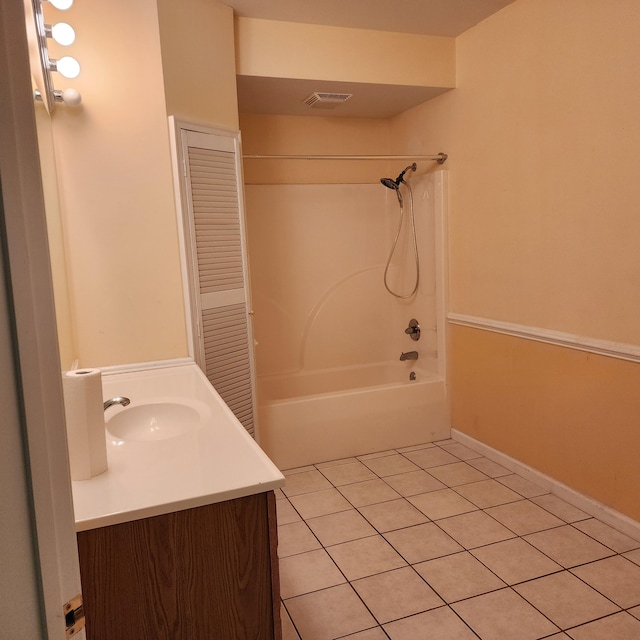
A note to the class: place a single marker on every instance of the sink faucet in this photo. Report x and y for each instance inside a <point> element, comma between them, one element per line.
<point>409,355</point>
<point>123,401</point>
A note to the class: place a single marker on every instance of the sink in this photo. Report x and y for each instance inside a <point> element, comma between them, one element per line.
<point>151,421</point>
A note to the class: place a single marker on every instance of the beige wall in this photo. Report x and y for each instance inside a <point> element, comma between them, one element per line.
<point>285,135</point>
<point>140,62</point>
<point>542,134</point>
<point>116,191</point>
<point>198,61</point>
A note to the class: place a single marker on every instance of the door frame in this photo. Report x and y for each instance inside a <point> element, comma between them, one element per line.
<point>36,370</point>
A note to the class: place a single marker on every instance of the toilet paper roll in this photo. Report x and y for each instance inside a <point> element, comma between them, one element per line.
<point>86,437</point>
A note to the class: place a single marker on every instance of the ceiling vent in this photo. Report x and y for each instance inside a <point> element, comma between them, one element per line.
<point>319,100</point>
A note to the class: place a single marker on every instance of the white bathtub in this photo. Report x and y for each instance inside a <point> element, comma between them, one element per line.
<point>313,417</point>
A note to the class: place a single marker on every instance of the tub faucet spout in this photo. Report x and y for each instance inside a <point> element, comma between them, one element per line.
<point>409,355</point>
<point>123,401</point>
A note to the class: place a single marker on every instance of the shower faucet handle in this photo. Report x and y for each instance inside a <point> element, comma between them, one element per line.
<point>413,330</point>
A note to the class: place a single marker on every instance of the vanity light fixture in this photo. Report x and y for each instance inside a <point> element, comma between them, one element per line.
<point>42,69</point>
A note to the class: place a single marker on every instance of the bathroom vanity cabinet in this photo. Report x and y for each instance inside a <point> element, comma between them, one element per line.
<point>205,573</point>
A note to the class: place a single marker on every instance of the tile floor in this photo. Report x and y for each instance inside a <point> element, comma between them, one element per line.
<point>437,542</point>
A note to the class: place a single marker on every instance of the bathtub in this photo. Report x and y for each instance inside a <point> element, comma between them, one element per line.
<point>306,418</point>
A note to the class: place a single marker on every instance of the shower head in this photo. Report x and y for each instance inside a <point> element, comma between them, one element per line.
<point>394,185</point>
<point>390,183</point>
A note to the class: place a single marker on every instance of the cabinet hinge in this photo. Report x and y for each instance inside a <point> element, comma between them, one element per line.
<point>73,616</point>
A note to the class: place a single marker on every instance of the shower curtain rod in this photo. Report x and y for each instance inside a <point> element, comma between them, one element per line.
<point>439,158</point>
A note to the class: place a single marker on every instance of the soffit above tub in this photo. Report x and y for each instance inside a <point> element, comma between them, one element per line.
<point>427,17</point>
<point>285,96</point>
<point>279,64</point>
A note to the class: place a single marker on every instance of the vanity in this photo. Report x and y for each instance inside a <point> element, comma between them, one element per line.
<point>177,539</point>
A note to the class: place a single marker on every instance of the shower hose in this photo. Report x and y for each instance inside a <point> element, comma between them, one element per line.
<point>395,243</point>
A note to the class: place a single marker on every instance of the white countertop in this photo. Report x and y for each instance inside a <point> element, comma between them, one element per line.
<point>217,461</point>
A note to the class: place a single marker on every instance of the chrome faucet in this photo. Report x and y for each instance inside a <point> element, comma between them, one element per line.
<point>409,355</point>
<point>119,400</point>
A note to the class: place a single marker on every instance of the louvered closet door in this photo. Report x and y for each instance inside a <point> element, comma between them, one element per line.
<point>219,268</point>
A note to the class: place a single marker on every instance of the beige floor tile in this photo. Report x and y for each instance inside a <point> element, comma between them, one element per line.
<point>524,487</point>
<point>560,508</point>
<point>305,482</point>
<point>320,503</point>
<point>413,483</point>
<point>343,526</point>
<point>458,576</point>
<point>335,463</point>
<point>295,538</point>
<point>489,467</point>
<point>460,451</point>
<point>616,578</point>
<point>396,594</point>
<point>441,504</point>
<point>487,493</point>
<point>360,494</point>
<point>291,472</point>
<point>278,494</point>
<point>565,600</point>
<point>422,542</point>
<point>390,465</point>
<point>503,615</point>
<point>392,515</point>
<point>307,572</point>
<point>457,473</point>
<point>607,535</point>
<point>437,624</point>
<point>377,454</point>
<point>416,447</point>
<point>288,630</point>
<point>635,611</point>
<point>515,561</point>
<point>369,634</point>
<point>474,529</point>
<point>634,556</point>
<point>428,458</point>
<point>524,517</point>
<point>620,626</point>
<point>330,613</point>
<point>285,513</point>
<point>348,473</point>
<point>568,546</point>
<point>365,557</point>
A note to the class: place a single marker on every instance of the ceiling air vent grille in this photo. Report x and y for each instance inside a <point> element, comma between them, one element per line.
<point>319,100</point>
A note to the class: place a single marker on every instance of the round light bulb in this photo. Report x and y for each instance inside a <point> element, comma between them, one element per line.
<point>68,67</point>
<point>63,33</point>
<point>62,5</point>
<point>71,97</point>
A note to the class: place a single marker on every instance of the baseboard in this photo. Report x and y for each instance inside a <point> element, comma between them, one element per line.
<point>613,518</point>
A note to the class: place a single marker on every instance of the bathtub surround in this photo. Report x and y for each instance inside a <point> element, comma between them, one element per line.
<point>330,336</point>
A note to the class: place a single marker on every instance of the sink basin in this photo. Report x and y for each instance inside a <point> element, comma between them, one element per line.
<point>153,421</point>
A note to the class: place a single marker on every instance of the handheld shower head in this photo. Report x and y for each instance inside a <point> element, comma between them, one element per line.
<point>389,183</point>
<point>392,184</point>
